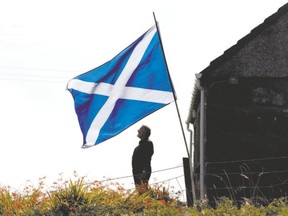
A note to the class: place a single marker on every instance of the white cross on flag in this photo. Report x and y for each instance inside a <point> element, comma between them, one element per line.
<point>114,96</point>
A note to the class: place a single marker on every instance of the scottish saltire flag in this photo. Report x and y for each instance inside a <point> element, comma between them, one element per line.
<point>114,96</point>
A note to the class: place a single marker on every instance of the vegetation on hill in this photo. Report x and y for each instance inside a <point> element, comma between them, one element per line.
<point>76,197</point>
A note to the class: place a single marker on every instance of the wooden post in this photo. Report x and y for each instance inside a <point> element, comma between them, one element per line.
<point>188,182</point>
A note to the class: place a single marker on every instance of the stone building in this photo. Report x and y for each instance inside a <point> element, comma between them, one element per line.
<point>239,111</point>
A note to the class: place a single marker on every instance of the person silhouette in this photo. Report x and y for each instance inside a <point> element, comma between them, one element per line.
<point>141,160</point>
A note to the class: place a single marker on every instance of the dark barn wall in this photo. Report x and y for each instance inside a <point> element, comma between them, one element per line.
<point>247,123</point>
<point>246,118</point>
<point>197,154</point>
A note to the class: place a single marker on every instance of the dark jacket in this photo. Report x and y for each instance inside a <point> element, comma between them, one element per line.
<point>141,159</point>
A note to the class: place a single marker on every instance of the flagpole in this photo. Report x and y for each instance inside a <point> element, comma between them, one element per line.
<point>170,80</point>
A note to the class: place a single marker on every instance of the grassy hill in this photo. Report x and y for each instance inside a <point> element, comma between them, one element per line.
<point>76,197</point>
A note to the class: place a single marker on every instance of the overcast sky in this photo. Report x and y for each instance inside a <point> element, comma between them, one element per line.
<point>43,44</point>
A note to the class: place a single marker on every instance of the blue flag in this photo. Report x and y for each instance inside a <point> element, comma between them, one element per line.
<point>114,96</point>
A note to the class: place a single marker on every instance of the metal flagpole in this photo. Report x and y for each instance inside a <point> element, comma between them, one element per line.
<point>179,117</point>
<point>174,95</point>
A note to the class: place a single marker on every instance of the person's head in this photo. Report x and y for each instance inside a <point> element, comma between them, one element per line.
<point>144,132</point>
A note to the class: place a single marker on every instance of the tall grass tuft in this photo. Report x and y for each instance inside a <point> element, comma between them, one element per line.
<point>70,197</point>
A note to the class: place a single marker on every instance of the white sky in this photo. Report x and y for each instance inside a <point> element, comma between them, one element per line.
<point>43,44</point>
